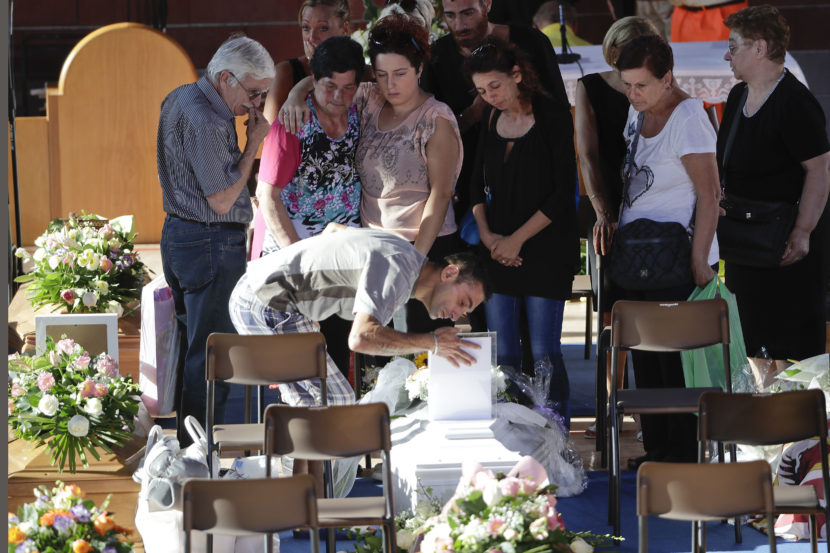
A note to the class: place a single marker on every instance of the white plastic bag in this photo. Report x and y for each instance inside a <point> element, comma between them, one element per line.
<point>162,473</point>
<point>159,348</point>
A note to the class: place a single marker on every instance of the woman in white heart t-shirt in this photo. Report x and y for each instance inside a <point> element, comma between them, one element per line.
<point>674,179</point>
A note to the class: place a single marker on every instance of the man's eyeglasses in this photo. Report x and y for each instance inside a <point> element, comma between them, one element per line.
<point>252,93</point>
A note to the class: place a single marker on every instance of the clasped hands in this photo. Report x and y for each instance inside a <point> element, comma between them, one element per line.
<point>504,249</point>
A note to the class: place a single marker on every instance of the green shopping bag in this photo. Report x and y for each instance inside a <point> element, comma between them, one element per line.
<point>703,367</point>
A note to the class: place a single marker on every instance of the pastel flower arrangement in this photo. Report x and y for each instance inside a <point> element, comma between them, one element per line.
<point>85,264</point>
<point>70,401</point>
<point>489,513</point>
<point>61,520</point>
<point>500,514</point>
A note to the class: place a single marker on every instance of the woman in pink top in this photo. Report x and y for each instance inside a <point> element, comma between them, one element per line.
<point>409,152</point>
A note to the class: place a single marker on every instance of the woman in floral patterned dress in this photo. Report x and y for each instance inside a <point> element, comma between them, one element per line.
<point>309,180</point>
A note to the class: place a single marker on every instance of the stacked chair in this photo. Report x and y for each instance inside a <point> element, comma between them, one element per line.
<point>659,326</point>
<point>337,432</point>
<point>316,434</point>
<point>701,492</point>
<point>258,360</point>
<point>769,419</point>
<point>247,507</point>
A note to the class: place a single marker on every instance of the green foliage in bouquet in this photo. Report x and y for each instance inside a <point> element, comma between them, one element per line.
<point>61,521</point>
<point>85,264</point>
<point>73,403</point>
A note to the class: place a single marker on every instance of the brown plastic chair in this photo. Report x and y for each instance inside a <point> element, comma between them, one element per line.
<point>659,326</point>
<point>247,507</point>
<point>258,360</point>
<point>336,432</point>
<point>769,419</point>
<point>701,492</point>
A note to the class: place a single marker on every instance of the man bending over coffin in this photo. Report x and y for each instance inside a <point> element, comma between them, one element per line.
<point>361,275</point>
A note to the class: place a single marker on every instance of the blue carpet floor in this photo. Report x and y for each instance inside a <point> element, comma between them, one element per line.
<point>588,511</point>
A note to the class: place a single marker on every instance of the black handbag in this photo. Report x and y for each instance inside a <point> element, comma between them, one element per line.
<point>646,254</point>
<point>753,232</point>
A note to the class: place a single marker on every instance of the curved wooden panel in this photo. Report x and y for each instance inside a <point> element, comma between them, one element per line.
<point>103,136</point>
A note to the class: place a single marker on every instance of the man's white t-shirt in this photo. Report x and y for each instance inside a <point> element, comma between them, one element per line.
<point>348,272</point>
<point>660,188</point>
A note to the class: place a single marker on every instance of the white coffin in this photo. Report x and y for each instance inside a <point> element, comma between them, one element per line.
<point>429,454</point>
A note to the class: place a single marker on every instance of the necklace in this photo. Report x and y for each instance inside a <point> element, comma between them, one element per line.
<point>764,101</point>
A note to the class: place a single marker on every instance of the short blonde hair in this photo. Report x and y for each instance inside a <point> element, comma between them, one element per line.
<point>621,32</point>
<point>340,8</point>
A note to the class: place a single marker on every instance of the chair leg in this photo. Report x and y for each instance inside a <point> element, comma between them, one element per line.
<point>331,540</point>
<point>601,440</point>
<point>696,536</point>
<point>588,318</point>
<point>814,534</point>
<point>614,475</point>
<point>643,546</point>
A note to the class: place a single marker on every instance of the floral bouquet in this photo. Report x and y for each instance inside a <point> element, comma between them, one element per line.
<point>71,402</point>
<point>60,520</point>
<point>86,265</point>
<point>502,514</point>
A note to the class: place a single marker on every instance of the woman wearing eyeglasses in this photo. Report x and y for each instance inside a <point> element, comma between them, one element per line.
<point>409,152</point>
<point>319,20</point>
<point>522,196</point>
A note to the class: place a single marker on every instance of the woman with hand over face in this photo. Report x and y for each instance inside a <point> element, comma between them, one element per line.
<point>319,20</point>
<point>522,196</point>
<point>779,153</point>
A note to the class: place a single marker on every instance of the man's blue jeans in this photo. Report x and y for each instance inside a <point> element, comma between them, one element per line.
<point>202,264</point>
<point>544,320</point>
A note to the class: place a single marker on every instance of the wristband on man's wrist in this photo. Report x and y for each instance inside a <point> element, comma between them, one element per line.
<point>435,350</point>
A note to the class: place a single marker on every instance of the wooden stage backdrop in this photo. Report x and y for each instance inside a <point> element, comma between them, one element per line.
<point>95,149</point>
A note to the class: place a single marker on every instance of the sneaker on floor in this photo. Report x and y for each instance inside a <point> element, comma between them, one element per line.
<point>591,432</point>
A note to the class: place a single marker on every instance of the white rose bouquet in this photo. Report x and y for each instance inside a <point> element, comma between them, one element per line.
<point>86,265</point>
<point>71,402</point>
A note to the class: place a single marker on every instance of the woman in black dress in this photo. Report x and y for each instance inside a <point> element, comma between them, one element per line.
<point>780,153</point>
<point>522,196</point>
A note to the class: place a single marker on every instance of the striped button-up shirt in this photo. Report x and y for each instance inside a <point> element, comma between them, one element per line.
<point>198,153</point>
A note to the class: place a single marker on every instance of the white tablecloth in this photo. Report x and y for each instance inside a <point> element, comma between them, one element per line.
<point>699,68</point>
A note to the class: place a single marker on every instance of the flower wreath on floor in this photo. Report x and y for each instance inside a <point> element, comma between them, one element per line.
<point>60,519</point>
<point>513,513</point>
<point>85,264</point>
<point>70,401</point>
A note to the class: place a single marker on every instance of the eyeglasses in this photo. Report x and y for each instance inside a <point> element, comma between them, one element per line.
<point>252,93</point>
<point>484,49</point>
<point>385,39</point>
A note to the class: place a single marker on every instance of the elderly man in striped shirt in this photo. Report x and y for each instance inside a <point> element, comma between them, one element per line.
<point>203,177</point>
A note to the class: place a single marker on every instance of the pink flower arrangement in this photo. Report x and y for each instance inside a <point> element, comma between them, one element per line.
<point>493,513</point>
<point>108,366</point>
<point>87,388</point>
<point>45,381</point>
<point>66,346</point>
<point>68,295</point>
<point>66,394</point>
<point>106,264</point>
<point>82,362</point>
